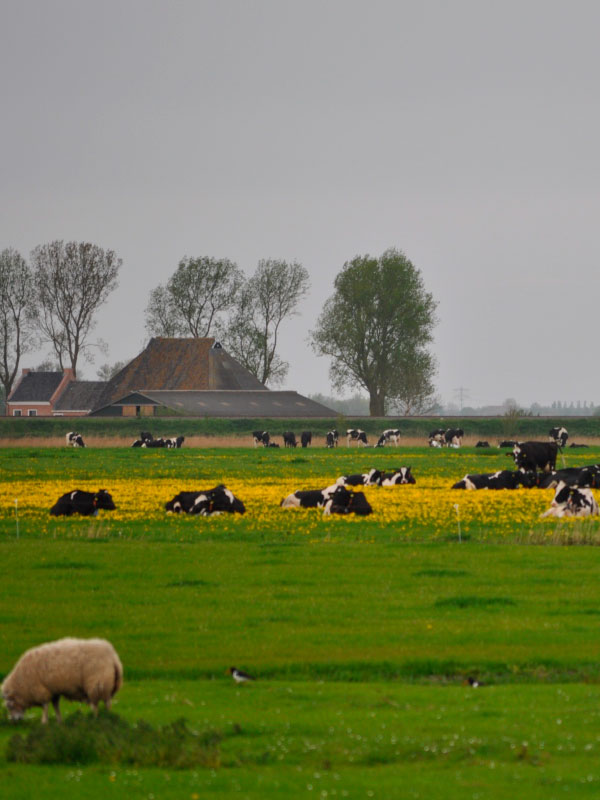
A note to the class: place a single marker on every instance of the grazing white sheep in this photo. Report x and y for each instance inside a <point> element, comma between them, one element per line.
<point>87,670</point>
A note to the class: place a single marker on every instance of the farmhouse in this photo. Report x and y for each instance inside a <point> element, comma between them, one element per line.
<point>190,377</point>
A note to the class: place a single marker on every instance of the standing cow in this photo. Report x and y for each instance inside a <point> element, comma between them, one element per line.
<point>74,439</point>
<point>261,437</point>
<point>535,455</point>
<point>306,438</point>
<point>558,435</point>
<point>331,439</point>
<point>356,435</point>
<point>390,435</point>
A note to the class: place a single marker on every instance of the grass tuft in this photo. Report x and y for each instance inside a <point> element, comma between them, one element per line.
<point>473,602</point>
<point>83,739</point>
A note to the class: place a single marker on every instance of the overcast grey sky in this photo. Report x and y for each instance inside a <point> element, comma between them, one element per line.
<point>466,134</point>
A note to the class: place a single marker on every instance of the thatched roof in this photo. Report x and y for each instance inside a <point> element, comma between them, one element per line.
<point>179,364</point>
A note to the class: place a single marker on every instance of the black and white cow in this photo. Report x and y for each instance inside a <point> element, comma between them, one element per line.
<point>272,444</point>
<point>206,502</point>
<point>576,444</point>
<point>558,435</point>
<point>453,437</point>
<point>175,442</point>
<point>371,478</point>
<point>397,477</point>
<point>289,439</point>
<point>571,501</point>
<point>331,440</point>
<point>315,498</point>
<point>437,437</point>
<point>391,435</point>
<point>355,503</point>
<point>582,477</point>
<point>356,435</point>
<point>507,443</point>
<point>535,455</point>
<point>145,436</point>
<point>154,443</point>
<point>74,439</point>
<point>482,444</point>
<point>261,437</point>
<point>503,479</point>
<point>306,438</point>
<point>85,503</point>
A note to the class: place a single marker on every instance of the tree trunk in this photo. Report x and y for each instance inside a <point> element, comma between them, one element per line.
<point>376,404</point>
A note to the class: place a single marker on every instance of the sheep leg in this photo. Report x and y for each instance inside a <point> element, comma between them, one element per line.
<point>55,704</point>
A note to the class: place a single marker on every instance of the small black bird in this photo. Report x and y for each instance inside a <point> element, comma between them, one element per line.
<point>473,682</point>
<point>239,676</point>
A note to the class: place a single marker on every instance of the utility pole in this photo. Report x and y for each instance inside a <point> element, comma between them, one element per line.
<point>462,394</point>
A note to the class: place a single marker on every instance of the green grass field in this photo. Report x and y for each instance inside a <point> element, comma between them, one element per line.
<point>361,632</point>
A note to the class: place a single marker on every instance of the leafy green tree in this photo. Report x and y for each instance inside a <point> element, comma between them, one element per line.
<point>376,328</point>
<point>267,298</point>
<point>16,304</point>
<point>197,293</point>
<point>72,280</point>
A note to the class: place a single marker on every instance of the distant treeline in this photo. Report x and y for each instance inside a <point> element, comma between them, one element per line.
<point>490,428</point>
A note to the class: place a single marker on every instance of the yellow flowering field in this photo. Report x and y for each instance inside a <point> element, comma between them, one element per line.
<point>429,506</point>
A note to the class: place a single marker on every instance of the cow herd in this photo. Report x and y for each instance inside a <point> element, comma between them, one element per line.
<point>389,436</point>
<point>147,440</point>
<point>535,466</point>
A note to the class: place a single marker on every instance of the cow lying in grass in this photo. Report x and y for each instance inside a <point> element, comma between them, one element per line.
<point>355,503</point>
<point>206,502</point>
<point>85,503</point>
<point>74,439</point>
<point>503,479</point>
<point>572,476</point>
<point>315,498</point>
<point>570,501</point>
<point>371,478</point>
<point>397,477</point>
<point>334,499</point>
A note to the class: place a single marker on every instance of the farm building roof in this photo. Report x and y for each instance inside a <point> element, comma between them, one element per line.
<point>226,403</point>
<point>80,396</point>
<point>36,387</point>
<point>180,364</point>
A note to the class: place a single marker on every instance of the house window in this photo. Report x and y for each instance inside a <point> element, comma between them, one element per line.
<point>32,412</point>
<point>16,412</point>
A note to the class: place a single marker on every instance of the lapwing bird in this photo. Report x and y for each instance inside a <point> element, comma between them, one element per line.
<point>239,676</point>
<point>473,682</point>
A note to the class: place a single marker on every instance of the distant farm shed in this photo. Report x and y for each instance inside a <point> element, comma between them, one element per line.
<point>218,403</point>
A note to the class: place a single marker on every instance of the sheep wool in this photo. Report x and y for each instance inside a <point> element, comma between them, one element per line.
<point>86,670</point>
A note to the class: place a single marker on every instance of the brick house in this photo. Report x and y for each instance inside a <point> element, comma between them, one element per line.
<point>36,393</point>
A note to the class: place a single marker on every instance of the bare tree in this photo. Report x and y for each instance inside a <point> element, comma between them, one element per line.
<point>16,289</point>
<point>161,315</point>
<point>196,294</point>
<point>269,297</point>
<point>72,281</point>
<point>107,371</point>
